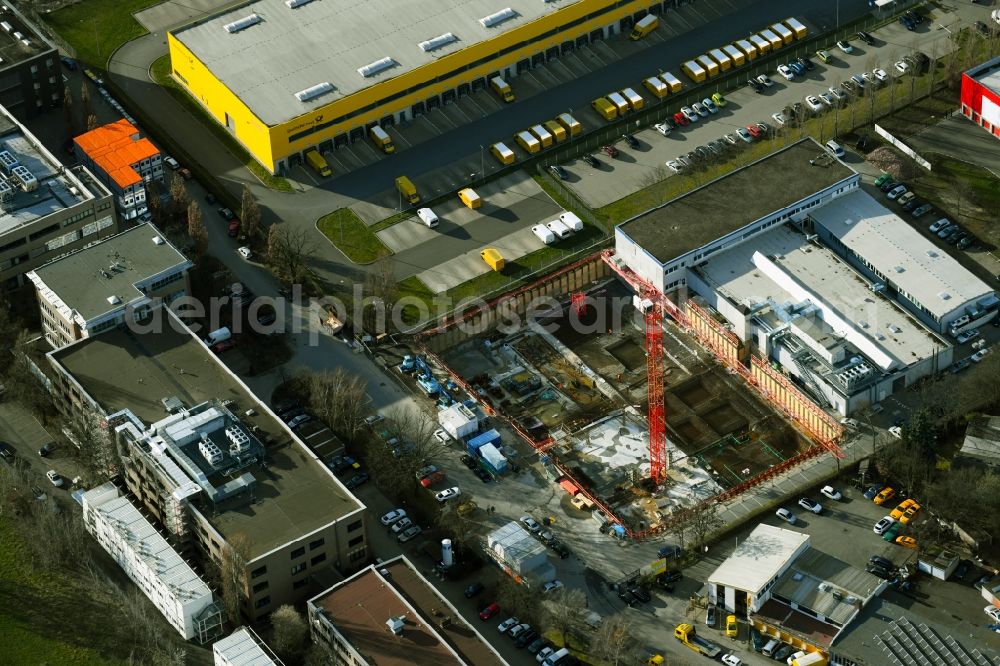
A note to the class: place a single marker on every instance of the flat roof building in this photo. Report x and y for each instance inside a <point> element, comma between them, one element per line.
<point>243,647</point>
<point>212,464</point>
<point>184,599</point>
<point>99,287</point>
<point>285,77</point>
<point>124,160</point>
<point>389,614</point>
<point>46,209</point>
<point>29,67</point>
<point>981,95</point>
<point>928,281</point>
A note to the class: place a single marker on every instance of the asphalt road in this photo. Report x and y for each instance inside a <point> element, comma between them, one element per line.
<point>129,67</point>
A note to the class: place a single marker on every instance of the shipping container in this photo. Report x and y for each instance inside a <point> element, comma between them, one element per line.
<point>529,143</point>
<point>763,46</point>
<point>493,459</point>
<point>796,27</point>
<point>787,36</point>
<point>470,198</point>
<point>605,108</point>
<point>635,100</point>
<point>694,71</point>
<point>656,86</point>
<point>503,154</point>
<point>621,104</point>
<point>672,82</point>
<point>747,47</point>
<point>735,55</point>
<point>542,135</point>
<point>775,41</point>
<point>644,26</point>
<point>493,259</point>
<point>556,130</point>
<point>571,124</point>
<point>488,437</point>
<point>710,65</point>
<point>458,421</point>
<point>719,56</point>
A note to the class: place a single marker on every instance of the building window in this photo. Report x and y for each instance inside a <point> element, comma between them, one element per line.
<point>316,560</point>
<point>299,584</point>
<point>354,526</point>
<point>257,573</point>
<point>357,555</point>
<point>263,601</point>
<point>260,587</point>
<point>298,552</point>
<point>355,541</point>
<point>299,568</point>
<point>313,545</point>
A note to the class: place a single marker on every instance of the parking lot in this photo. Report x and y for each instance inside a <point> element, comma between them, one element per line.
<point>634,169</point>
<point>20,429</point>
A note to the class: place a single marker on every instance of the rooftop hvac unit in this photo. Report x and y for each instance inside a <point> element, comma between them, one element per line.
<point>376,67</point>
<point>242,24</point>
<point>26,42</point>
<point>314,91</point>
<point>437,42</point>
<point>292,4</point>
<point>114,300</point>
<point>498,18</point>
<point>26,179</point>
<point>212,453</point>
<point>239,441</point>
<point>6,191</point>
<point>7,161</point>
<point>6,26</point>
<point>18,34</point>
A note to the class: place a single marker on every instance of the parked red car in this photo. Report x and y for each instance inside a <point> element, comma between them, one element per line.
<point>489,611</point>
<point>225,345</point>
<point>431,479</point>
<point>681,119</point>
<point>754,131</point>
<point>234,227</point>
<point>610,151</point>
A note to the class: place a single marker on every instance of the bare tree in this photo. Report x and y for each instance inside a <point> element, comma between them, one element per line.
<point>564,611</point>
<point>517,599</point>
<point>289,634</point>
<point>612,640</point>
<point>85,106</point>
<point>233,575</point>
<point>97,454</point>
<point>92,123</point>
<point>68,116</point>
<point>22,382</point>
<point>196,229</point>
<point>288,253</point>
<point>178,193</point>
<point>704,520</point>
<point>154,203</point>
<point>249,213</point>
<point>339,398</point>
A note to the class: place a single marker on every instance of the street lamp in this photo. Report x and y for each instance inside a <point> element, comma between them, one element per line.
<point>482,163</point>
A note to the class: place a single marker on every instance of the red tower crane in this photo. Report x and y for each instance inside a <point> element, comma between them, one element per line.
<point>654,385</point>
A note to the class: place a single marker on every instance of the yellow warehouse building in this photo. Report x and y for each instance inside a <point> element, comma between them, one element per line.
<point>286,76</point>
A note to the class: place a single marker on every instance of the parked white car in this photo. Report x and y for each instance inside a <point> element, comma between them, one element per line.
<point>786,72</point>
<point>55,478</point>
<point>662,128</point>
<point>811,505</point>
<point>882,525</point>
<point>530,523</point>
<point>505,626</point>
<point>785,515</point>
<point>447,494</point>
<point>731,660</point>
<point>428,217</point>
<point>831,492</point>
<point>393,516</point>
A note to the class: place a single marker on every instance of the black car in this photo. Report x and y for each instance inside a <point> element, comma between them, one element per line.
<point>559,171</point>
<point>671,123</point>
<point>757,86</point>
<point>866,38</point>
<point>954,239</point>
<point>888,185</point>
<point>226,214</point>
<point>356,480</point>
<point>68,63</point>
<point>47,449</point>
<point>669,577</point>
<point>912,203</point>
<point>560,549</point>
<point>881,572</point>
<point>908,22</point>
<point>210,199</point>
<point>631,141</point>
<point>470,462</point>
<point>641,593</point>
<point>982,28</point>
<point>473,590</point>
<point>807,63</point>
<point>913,16</point>
<point>526,637</point>
<point>962,570</point>
<point>536,645</point>
<point>880,561</point>
<point>483,475</point>
<point>626,596</point>
<point>7,452</point>
<point>592,161</point>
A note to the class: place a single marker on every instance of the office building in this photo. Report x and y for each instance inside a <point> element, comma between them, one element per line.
<point>125,161</point>
<point>30,79</point>
<point>243,647</point>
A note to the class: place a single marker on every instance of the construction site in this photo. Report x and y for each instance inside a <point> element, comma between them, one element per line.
<point>574,383</point>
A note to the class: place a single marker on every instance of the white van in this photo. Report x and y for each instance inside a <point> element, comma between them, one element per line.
<point>556,657</point>
<point>572,221</point>
<point>771,647</point>
<point>543,234</point>
<point>559,229</point>
<point>835,148</point>
<point>428,217</point>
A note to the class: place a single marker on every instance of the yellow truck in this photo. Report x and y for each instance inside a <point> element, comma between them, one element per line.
<point>605,108</point>
<point>503,154</point>
<point>634,99</point>
<point>407,189</point>
<point>762,45</point>
<point>747,47</point>
<point>708,64</point>
<point>571,124</point>
<point>685,633</point>
<point>382,139</point>
<point>725,62</point>
<point>643,27</point>
<point>694,71</point>
<point>556,130</point>
<point>796,27</point>
<point>528,142</point>
<point>502,89</point>
<point>776,42</point>
<point>621,104</point>
<point>672,82</point>
<point>787,36</point>
<point>493,259</point>
<point>543,135</point>
<point>735,55</point>
<point>318,164</point>
<point>470,198</point>
<point>655,85</point>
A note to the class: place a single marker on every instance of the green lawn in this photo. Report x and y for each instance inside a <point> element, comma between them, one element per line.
<point>352,236</point>
<point>96,28</point>
<point>160,71</point>
<point>39,609</point>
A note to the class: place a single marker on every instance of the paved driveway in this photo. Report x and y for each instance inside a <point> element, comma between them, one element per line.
<point>959,137</point>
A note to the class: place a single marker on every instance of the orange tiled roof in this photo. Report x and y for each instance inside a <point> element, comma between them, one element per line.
<point>113,148</point>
